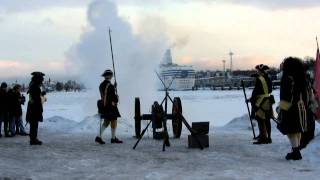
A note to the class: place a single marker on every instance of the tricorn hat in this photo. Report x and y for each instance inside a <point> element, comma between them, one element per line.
<point>16,86</point>
<point>107,72</point>
<point>38,74</point>
<point>262,67</point>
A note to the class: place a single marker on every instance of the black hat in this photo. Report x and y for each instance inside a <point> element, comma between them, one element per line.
<point>4,85</point>
<point>107,72</point>
<point>38,74</point>
<point>262,67</point>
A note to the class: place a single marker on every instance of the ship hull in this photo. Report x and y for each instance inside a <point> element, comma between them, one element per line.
<point>178,84</point>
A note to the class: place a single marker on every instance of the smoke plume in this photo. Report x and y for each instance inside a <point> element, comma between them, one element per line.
<point>180,42</point>
<point>135,58</point>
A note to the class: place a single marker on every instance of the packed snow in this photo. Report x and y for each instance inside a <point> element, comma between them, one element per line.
<point>69,150</point>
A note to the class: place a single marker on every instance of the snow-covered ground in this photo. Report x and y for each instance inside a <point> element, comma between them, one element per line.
<point>69,151</point>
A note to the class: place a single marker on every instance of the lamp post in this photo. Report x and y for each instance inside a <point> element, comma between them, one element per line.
<point>231,54</point>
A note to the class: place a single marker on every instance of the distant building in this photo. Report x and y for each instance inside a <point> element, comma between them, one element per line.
<point>223,80</point>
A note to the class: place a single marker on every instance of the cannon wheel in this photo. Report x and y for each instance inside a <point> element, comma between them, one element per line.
<point>176,120</point>
<point>137,117</point>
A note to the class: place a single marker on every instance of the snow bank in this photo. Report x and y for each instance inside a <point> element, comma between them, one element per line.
<point>89,124</point>
<point>58,123</point>
<point>242,122</point>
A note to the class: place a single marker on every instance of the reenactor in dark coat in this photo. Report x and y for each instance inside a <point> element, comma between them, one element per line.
<point>16,99</point>
<point>308,135</point>
<point>4,114</point>
<point>261,101</point>
<point>35,106</point>
<point>293,104</point>
<point>108,109</point>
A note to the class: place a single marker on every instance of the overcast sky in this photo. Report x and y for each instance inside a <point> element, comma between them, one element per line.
<point>38,34</point>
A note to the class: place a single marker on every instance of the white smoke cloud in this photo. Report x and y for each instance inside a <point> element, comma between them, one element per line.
<point>266,4</point>
<point>32,5</point>
<point>180,42</point>
<point>12,6</point>
<point>135,58</point>
<point>276,4</point>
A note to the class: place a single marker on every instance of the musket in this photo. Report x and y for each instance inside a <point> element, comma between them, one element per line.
<point>246,100</point>
<point>114,70</point>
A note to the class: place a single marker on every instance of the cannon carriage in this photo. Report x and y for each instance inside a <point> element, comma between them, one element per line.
<point>158,116</point>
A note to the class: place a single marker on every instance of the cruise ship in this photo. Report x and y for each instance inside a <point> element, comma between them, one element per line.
<point>182,77</point>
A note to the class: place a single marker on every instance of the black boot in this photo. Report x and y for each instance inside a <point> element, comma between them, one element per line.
<point>294,155</point>
<point>12,134</point>
<point>261,140</point>
<point>99,140</point>
<point>23,134</point>
<point>269,140</point>
<point>116,140</point>
<point>257,137</point>
<point>35,142</point>
<point>167,143</point>
<point>8,135</point>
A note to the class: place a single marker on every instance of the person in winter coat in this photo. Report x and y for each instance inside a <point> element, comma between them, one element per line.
<point>312,105</point>
<point>261,101</point>
<point>35,106</point>
<point>108,108</point>
<point>15,114</point>
<point>4,111</point>
<point>293,102</point>
<point>10,112</point>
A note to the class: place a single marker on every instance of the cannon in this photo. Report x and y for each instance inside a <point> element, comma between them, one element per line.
<point>157,116</point>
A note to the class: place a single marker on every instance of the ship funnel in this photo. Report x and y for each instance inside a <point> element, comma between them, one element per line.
<point>167,58</point>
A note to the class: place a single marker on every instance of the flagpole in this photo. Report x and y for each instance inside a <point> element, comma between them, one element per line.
<point>317,79</point>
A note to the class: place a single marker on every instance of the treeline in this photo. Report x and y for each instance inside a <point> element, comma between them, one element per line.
<point>63,86</point>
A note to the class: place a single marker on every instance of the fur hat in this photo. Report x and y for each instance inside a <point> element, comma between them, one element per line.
<point>107,72</point>
<point>38,74</point>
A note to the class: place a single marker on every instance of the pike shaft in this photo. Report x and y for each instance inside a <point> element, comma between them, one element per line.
<point>114,70</point>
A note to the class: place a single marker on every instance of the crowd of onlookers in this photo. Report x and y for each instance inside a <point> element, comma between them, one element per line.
<point>11,100</point>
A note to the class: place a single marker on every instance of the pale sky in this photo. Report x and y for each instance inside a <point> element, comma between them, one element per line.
<point>37,34</point>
